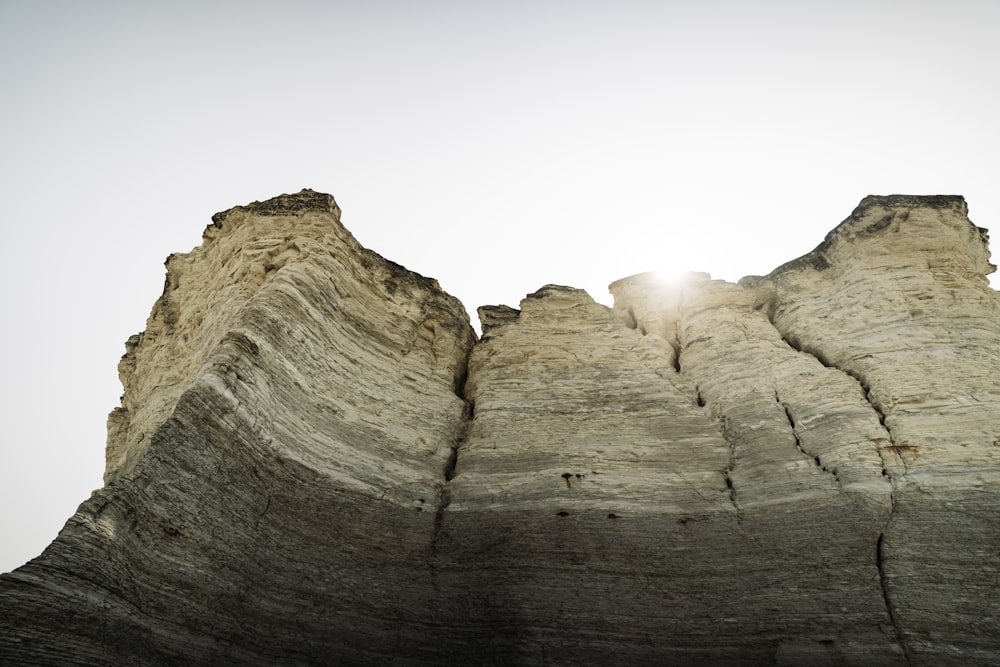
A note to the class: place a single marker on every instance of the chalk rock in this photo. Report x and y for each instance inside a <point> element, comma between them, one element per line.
<point>273,474</point>
<point>316,461</point>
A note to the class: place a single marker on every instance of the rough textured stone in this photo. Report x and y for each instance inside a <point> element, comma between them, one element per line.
<point>316,461</point>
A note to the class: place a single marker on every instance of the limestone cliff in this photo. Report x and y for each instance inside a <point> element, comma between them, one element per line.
<point>316,462</point>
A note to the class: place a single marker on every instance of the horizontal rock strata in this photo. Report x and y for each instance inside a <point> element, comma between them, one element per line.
<point>316,461</point>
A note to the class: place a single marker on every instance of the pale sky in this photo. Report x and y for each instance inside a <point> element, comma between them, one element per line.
<point>494,146</point>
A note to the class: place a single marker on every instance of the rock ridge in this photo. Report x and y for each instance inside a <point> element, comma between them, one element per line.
<point>317,460</point>
<point>296,204</point>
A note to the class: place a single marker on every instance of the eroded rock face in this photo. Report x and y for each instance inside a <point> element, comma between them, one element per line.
<point>316,461</point>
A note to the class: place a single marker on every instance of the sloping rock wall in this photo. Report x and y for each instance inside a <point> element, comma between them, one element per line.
<point>316,461</point>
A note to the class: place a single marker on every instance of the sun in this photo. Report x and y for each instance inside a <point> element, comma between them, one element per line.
<point>672,278</point>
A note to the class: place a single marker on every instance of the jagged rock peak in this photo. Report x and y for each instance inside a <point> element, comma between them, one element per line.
<point>287,204</point>
<point>890,214</point>
<point>951,202</point>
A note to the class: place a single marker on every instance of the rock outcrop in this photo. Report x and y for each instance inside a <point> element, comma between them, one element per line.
<point>316,462</point>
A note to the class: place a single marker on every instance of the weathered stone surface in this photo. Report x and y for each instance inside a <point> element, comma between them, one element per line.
<point>904,307</point>
<point>315,461</point>
<point>292,410</point>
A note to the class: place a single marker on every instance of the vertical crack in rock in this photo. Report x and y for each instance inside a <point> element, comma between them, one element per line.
<point>669,331</point>
<point>699,399</point>
<point>630,320</point>
<point>676,345</point>
<point>444,490</point>
<point>727,473</point>
<point>814,458</point>
<point>267,506</point>
<point>889,605</point>
<point>860,380</point>
<point>732,495</point>
<point>865,386</point>
<point>468,414</point>
<point>266,492</point>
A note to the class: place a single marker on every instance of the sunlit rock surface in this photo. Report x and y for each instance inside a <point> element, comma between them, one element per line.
<point>316,462</point>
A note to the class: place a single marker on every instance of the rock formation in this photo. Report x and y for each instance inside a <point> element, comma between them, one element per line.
<point>317,462</point>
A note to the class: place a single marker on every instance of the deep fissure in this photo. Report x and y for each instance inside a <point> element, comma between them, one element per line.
<point>798,441</point>
<point>451,464</point>
<point>860,380</point>
<point>676,345</point>
<point>728,472</point>
<point>468,414</point>
<point>865,387</point>
<point>889,606</point>
<point>731,486</point>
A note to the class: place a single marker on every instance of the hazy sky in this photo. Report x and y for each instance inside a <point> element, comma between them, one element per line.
<point>494,146</point>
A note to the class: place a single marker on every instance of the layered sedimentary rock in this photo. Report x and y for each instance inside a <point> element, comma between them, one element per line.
<point>317,462</point>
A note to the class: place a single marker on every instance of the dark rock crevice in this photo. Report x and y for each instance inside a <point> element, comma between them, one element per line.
<point>676,345</point>
<point>813,457</point>
<point>728,472</point>
<point>863,383</point>
<point>886,595</point>
<point>451,464</point>
<point>793,342</point>
<point>468,415</point>
<point>732,494</point>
